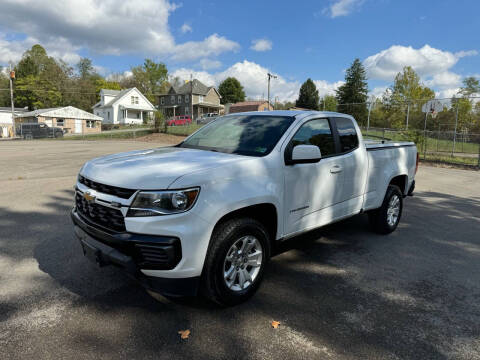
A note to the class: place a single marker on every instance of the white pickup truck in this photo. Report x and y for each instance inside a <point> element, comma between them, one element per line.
<point>203,216</point>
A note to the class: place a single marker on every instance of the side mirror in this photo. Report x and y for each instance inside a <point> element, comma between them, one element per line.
<point>305,154</point>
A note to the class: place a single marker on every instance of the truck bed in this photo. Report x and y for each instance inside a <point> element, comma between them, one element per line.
<point>384,144</point>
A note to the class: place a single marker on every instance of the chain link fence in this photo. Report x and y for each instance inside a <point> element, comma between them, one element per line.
<point>446,147</point>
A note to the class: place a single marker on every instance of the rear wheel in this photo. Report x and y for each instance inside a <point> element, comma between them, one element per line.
<point>385,219</point>
<point>235,262</point>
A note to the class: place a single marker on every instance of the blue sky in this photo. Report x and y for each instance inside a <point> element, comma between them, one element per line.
<point>213,40</point>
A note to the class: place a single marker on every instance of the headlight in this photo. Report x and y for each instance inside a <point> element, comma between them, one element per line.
<point>154,203</point>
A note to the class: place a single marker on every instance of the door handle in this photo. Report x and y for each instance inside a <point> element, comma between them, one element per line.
<point>336,169</point>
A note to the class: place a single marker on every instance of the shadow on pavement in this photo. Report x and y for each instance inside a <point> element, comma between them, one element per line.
<point>338,291</point>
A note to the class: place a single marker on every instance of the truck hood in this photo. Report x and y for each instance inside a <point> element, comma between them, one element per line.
<point>153,169</point>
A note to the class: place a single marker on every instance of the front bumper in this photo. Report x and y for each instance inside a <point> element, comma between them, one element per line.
<point>133,253</point>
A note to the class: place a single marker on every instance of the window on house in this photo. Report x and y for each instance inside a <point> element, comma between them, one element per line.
<point>132,98</point>
<point>162,100</point>
<point>187,110</point>
<point>138,115</point>
<point>172,99</point>
<point>108,115</point>
<point>179,99</point>
<point>200,98</point>
<point>60,122</point>
<point>91,124</point>
<point>136,99</point>
<point>186,98</point>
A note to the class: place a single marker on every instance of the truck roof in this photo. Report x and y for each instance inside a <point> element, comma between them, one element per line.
<point>295,113</point>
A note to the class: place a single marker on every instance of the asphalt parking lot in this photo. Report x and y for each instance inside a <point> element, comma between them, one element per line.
<point>341,292</point>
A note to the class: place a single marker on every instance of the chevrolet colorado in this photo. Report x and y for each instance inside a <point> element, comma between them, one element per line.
<point>203,216</point>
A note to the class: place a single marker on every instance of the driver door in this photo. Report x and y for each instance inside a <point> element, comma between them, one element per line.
<point>312,189</point>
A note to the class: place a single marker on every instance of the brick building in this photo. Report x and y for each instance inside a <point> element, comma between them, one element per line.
<point>245,106</point>
<point>69,118</point>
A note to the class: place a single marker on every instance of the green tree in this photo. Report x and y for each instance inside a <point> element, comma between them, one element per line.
<point>231,91</point>
<point>406,94</point>
<point>85,68</point>
<point>4,93</point>
<point>40,80</point>
<point>308,96</point>
<point>328,103</point>
<point>352,95</point>
<point>150,78</point>
<point>471,86</point>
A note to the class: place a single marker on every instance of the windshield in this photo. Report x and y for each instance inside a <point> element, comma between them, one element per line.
<point>253,135</point>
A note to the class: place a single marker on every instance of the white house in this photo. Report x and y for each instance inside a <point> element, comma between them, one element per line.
<point>127,106</point>
<point>6,120</point>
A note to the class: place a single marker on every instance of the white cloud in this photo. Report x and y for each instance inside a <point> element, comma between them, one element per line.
<point>342,7</point>
<point>110,27</point>
<point>186,28</point>
<point>207,64</point>
<point>60,48</point>
<point>253,77</point>
<point>212,45</point>
<point>445,80</point>
<point>261,45</point>
<point>426,61</point>
<point>378,91</point>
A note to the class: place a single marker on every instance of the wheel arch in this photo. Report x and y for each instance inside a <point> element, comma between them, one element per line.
<point>401,181</point>
<point>265,213</point>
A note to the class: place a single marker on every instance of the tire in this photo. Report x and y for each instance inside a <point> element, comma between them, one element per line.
<point>383,219</point>
<point>214,285</point>
<point>58,134</point>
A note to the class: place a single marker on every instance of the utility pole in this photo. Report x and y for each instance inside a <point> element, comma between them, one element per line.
<point>270,76</point>
<point>191,96</point>
<point>12,76</point>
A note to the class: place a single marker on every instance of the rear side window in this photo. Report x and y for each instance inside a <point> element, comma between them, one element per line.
<point>316,132</point>
<point>348,135</point>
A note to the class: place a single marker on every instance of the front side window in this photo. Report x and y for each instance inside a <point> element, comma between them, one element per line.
<point>316,132</point>
<point>348,135</point>
<point>250,135</point>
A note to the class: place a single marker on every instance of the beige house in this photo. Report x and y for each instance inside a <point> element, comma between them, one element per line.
<point>69,118</point>
<point>180,101</point>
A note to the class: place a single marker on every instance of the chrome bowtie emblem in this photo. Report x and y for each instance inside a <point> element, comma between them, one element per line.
<point>89,197</point>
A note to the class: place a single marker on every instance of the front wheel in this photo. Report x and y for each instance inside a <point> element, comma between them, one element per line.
<point>385,219</point>
<point>235,262</point>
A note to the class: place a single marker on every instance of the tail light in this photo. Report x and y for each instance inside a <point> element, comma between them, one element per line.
<point>416,165</point>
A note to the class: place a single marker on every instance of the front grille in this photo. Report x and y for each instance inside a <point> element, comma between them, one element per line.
<point>106,189</point>
<point>101,215</point>
<point>152,255</point>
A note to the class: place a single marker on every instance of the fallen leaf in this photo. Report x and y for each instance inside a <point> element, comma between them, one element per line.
<point>275,324</point>
<point>184,334</point>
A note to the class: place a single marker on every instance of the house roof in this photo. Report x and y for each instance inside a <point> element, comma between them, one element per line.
<point>110,92</point>
<point>8,109</point>
<point>246,106</point>
<point>118,95</point>
<point>62,112</point>
<point>199,88</point>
